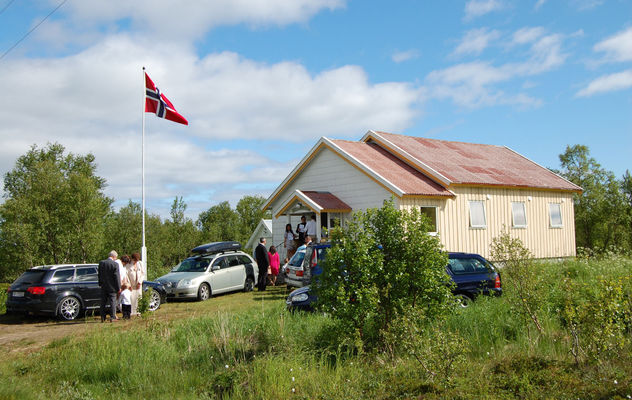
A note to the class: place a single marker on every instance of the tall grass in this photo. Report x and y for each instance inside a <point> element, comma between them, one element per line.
<point>267,353</point>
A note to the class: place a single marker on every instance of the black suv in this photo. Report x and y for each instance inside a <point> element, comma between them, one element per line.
<point>471,273</point>
<point>65,291</point>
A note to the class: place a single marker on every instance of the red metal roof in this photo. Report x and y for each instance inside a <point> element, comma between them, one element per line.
<point>327,201</point>
<point>391,168</point>
<point>478,164</point>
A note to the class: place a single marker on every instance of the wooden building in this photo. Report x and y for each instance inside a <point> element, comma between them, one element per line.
<point>470,192</point>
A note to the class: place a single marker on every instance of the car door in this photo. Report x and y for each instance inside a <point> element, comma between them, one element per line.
<point>220,275</point>
<point>236,272</point>
<point>87,285</point>
<point>62,282</point>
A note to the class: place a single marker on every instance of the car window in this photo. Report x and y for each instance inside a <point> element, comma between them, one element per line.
<point>297,259</point>
<point>194,264</point>
<point>244,259</point>
<point>233,261</point>
<point>64,275</point>
<point>31,276</point>
<point>221,262</point>
<point>88,274</point>
<point>460,266</point>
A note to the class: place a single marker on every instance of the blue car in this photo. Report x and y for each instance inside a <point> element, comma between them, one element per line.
<point>471,273</point>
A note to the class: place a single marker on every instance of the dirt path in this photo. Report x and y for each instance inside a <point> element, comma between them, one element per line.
<point>19,334</point>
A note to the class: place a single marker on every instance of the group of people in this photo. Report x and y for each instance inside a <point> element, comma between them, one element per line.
<point>304,229</point>
<point>269,261</point>
<point>121,283</point>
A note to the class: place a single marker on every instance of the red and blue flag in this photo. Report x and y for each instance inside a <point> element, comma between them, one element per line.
<point>159,104</point>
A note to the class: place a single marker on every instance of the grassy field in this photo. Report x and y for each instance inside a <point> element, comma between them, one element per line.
<point>246,346</point>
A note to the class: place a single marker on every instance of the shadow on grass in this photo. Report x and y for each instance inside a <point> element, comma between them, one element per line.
<point>272,293</point>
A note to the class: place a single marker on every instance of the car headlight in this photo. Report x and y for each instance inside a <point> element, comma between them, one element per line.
<point>300,297</point>
<point>184,283</point>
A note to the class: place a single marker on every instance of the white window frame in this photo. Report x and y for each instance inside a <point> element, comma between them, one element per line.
<point>513,214</point>
<point>435,219</point>
<point>478,226</point>
<point>559,209</point>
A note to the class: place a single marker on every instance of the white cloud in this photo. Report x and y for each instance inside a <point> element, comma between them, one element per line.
<point>527,35</point>
<point>585,5</point>
<point>608,83</point>
<point>91,102</point>
<point>474,84</point>
<point>617,47</point>
<point>539,4</point>
<point>475,41</point>
<point>477,8</point>
<point>192,18</point>
<point>401,56</point>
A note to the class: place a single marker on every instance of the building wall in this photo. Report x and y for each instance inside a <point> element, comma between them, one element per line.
<point>453,220</point>
<point>327,171</point>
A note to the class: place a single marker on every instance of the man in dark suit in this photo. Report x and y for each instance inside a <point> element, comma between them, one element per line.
<point>261,254</point>
<point>110,282</point>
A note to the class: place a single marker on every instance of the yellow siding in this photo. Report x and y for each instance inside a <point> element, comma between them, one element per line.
<point>453,220</point>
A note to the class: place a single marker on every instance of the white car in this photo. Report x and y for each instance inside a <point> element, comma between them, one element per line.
<point>294,268</point>
<point>217,267</point>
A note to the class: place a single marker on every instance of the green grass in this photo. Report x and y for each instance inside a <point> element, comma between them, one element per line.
<point>246,346</point>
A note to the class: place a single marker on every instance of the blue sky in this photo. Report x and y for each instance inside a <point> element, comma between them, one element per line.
<point>261,81</point>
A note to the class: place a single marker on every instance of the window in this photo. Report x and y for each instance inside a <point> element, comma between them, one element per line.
<point>233,261</point>
<point>477,214</point>
<point>245,259</point>
<point>86,275</point>
<point>221,262</point>
<point>64,275</point>
<point>555,213</point>
<point>462,266</point>
<point>431,214</point>
<point>519,215</point>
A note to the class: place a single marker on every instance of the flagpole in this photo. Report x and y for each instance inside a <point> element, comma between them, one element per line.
<point>143,249</point>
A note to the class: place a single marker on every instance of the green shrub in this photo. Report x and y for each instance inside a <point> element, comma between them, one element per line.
<point>380,264</point>
<point>520,278</point>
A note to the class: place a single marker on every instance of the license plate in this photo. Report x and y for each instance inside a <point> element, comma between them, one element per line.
<point>18,294</point>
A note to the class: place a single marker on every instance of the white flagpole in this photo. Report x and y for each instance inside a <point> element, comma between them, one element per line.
<point>143,249</point>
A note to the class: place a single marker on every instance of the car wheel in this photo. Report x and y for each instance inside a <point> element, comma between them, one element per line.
<point>68,308</point>
<point>154,300</point>
<point>463,300</point>
<point>249,285</point>
<point>204,292</point>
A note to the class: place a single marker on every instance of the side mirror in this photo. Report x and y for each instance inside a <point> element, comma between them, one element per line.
<point>174,269</point>
<point>215,268</point>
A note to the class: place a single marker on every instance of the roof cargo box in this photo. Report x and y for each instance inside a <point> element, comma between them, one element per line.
<point>216,247</point>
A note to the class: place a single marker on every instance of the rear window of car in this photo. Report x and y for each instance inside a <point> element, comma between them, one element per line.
<point>63,275</point>
<point>297,259</point>
<point>462,266</point>
<point>87,274</point>
<point>244,259</point>
<point>31,276</point>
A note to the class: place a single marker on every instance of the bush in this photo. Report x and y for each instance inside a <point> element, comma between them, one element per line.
<point>381,264</point>
<point>521,278</point>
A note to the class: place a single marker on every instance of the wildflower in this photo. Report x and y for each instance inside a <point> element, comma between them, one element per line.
<point>226,366</point>
<point>292,379</point>
<point>615,382</point>
<point>293,390</point>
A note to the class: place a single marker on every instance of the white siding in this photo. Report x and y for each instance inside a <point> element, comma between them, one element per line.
<point>542,240</point>
<point>329,172</point>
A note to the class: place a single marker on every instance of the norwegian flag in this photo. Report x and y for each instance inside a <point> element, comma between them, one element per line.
<point>158,103</point>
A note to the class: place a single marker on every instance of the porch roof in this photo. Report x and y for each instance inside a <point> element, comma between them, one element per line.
<point>317,202</point>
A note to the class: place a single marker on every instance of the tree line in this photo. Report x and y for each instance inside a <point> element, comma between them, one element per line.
<point>55,211</point>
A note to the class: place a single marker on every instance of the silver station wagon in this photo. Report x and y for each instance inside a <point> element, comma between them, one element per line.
<point>215,268</point>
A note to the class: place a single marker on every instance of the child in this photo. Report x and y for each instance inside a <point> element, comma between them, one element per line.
<point>126,300</point>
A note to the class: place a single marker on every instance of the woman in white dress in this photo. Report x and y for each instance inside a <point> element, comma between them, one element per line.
<point>135,277</point>
<point>288,237</point>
